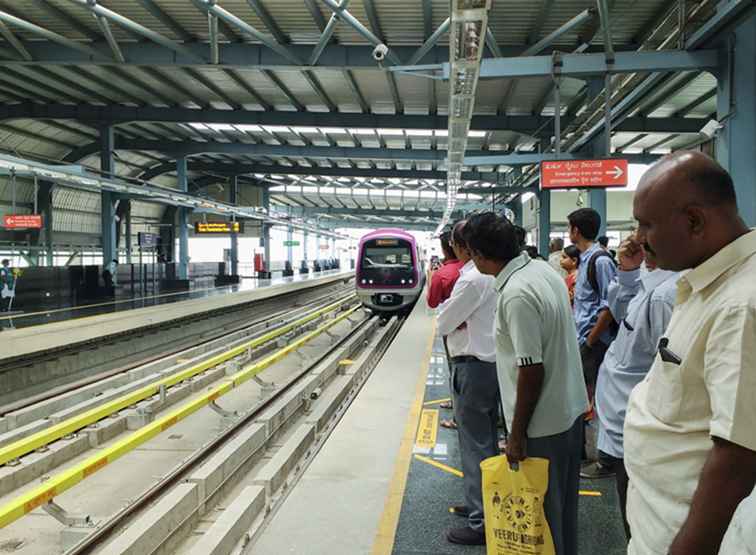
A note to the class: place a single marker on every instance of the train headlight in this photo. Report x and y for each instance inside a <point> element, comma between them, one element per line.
<point>364,281</point>
<point>370,282</point>
<point>404,281</point>
<point>410,280</point>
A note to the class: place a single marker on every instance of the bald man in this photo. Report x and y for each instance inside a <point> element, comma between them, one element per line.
<point>690,428</point>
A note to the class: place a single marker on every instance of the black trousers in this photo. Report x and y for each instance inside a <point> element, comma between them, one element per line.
<point>618,466</point>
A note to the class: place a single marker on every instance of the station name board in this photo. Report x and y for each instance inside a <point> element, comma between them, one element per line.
<point>216,228</point>
<point>584,174</point>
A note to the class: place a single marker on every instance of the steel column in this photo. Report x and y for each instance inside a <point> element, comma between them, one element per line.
<point>544,220</point>
<point>45,207</point>
<point>108,198</point>
<point>234,199</point>
<point>265,227</point>
<point>182,221</point>
<point>598,149</point>
<point>129,238</point>
<point>735,143</point>
<point>289,247</point>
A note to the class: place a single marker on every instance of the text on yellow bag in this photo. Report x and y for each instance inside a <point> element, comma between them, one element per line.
<point>513,507</point>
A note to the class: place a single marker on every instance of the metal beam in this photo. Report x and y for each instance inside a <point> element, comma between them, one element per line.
<point>239,80</point>
<point>49,35</point>
<point>349,78</point>
<point>667,93</point>
<point>727,12</point>
<point>14,42</point>
<point>398,104</point>
<point>316,86</point>
<point>317,15</point>
<point>427,18</point>
<point>284,89</point>
<point>372,15</point>
<point>472,158</point>
<point>525,124</point>
<point>373,38</point>
<point>212,27</point>
<point>543,13</point>
<point>110,38</point>
<point>688,108</point>
<point>224,169</point>
<point>268,21</point>
<point>326,35</point>
<point>430,42</point>
<point>606,29</point>
<point>493,46</point>
<point>210,85</point>
<point>135,27</point>
<point>247,29</point>
<point>68,19</point>
<point>166,20</point>
<point>595,64</point>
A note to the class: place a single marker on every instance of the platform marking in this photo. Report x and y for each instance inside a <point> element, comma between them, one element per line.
<point>590,493</point>
<point>428,429</point>
<point>386,534</point>
<point>437,401</point>
<point>441,466</point>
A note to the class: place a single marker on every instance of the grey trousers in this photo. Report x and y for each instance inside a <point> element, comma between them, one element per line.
<point>475,392</point>
<point>561,503</point>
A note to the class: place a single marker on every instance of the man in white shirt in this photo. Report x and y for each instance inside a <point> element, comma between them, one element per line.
<point>690,438</point>
<point>556,246</point>
<point>466,320</point>
<point>540,374</point>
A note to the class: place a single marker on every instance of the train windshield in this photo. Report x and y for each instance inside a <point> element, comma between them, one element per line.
<point>387,253</point>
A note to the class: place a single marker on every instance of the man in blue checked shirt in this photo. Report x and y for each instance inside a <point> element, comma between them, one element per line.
<point>591,304</point>
<point>642,304</point>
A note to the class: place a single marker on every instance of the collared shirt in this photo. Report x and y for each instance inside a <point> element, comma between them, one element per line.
<point>643,306</point>
<point>472,303</point>
<point>534,325</point>
<point>588,303</point>
<point>555,259</point>
<point>740,538</point>
<point>702,384</point>
<point>442,282</point>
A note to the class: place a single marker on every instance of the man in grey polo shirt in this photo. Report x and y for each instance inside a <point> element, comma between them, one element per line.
<point>538,363</point>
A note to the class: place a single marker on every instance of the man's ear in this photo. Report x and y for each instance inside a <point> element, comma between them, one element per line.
<point>696,218</point>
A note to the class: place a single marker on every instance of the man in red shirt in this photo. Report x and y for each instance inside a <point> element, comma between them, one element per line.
<point>441,281</point>
<point>440,285</point>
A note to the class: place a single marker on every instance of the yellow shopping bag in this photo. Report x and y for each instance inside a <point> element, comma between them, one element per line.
<point>513,507</point>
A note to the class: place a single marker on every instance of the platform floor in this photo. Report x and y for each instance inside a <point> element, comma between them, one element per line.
<point>373,489</point>
<point>125,302</point>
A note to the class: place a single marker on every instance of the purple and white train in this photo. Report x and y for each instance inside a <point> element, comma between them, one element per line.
<point>390,270</point>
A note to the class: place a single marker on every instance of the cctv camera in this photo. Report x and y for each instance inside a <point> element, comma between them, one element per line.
<point>379,52</point>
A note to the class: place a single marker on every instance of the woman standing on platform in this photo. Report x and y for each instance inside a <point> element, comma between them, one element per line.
<point>569,263</point>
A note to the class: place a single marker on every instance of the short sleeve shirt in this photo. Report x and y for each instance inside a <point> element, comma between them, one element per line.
<point>702,384</point>
<point>534,325</point>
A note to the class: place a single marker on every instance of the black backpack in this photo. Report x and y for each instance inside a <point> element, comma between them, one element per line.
<point>593,280</point>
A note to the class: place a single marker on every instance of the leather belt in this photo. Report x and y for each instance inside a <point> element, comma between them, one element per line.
<point>465,358</point>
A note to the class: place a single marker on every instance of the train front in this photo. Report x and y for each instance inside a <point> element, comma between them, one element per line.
<point>389,276</point>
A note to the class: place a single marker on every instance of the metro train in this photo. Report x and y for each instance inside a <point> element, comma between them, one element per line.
<point>390,273</point>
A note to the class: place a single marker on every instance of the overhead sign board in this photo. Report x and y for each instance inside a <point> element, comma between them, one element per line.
<point>291,243</point>
<point>583,174</point>
<point>148,239</point>
<point>215,228</point>
<point>22,221</point>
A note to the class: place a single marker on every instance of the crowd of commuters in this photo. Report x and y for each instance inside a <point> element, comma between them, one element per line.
<point>650,350</point>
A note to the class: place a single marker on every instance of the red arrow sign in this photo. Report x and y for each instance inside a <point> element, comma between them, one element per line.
<point>22,221</point>
<point>583,174</point>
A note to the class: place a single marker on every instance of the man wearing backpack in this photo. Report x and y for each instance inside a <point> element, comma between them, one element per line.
<point>594,321</point>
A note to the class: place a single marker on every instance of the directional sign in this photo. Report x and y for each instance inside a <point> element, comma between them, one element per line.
<point>583,174</point>
<point>215,228</point>
<point>291,243</point>
<point>22,221</point>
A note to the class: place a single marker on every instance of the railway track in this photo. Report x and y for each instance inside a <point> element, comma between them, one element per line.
<point>294,400</point>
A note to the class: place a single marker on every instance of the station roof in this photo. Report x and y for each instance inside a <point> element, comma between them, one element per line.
<point>293,91</point>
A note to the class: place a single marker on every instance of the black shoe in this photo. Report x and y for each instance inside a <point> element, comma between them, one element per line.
<point>595,471</point>
<point>460,510</point>
<point>466,536</point>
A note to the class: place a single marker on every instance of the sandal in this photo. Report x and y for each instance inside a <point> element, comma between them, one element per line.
<point>448,423</point>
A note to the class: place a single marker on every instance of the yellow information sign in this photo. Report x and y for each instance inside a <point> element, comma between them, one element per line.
<point>426,432</point>
<point>217,227</point>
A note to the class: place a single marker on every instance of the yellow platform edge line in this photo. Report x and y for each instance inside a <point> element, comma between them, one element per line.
<point>588,493</point>
<point>57,484</point>
<point>383,544</point>
<point>437,401</point>
<point>440,466</point>
<point>52,433</point>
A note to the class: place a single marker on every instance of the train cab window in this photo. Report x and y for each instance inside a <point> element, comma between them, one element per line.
<point>387,262</point>
<point>387,257</point>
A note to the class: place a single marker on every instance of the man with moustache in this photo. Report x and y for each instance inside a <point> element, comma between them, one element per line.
<point>690,438</point>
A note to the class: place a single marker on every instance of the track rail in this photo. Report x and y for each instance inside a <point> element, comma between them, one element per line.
<point>40,439</point>
<point>63,481</point>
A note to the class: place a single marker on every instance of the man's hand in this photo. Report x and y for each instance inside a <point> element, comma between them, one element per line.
<point>630,254</point>
<point>516,450</point>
